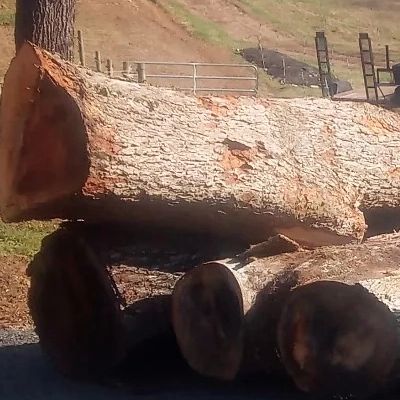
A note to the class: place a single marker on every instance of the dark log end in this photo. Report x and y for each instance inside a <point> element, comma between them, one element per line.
<point>43,141</point>
<point>74,307</point>
<point>337,339</point>
<point>207,316</point>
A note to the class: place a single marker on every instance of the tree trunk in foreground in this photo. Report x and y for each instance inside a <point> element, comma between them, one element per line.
<point>46,23</point>
<point>98,292</point>
<point>356,333</point>
<point>76,144</point>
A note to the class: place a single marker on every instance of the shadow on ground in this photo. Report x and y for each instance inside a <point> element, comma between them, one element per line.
<point>26,374</point>
<point>152,374</point>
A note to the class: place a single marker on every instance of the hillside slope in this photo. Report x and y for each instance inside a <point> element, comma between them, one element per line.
<point>210,30</point>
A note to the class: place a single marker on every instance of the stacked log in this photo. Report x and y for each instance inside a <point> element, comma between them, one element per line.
<point>171,190</point>
<point>334,336</point>
<point>99,291</point>
<point>78,145</point>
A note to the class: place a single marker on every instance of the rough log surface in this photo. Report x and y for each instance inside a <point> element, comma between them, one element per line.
<point>266,284</point>
<point>47,23</point>
<point>82,145</point>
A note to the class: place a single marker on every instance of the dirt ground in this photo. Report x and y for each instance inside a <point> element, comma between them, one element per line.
<point>14,286</point>
<point>165,41</point>
<point>282,67</point>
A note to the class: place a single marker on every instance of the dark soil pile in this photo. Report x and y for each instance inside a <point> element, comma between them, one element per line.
<point>282,67</point>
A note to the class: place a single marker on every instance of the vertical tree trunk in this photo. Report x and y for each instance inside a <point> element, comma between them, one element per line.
<point>47,23</point>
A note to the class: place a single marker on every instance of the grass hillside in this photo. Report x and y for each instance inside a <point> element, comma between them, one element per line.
<point>210,30</point>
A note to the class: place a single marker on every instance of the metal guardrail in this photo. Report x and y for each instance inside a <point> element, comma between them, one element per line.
<point>195,77</point>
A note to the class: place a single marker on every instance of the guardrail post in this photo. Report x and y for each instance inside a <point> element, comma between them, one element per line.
<point>109,67</point>
<point>194,79</point>
<point>81,49</point>
<point>97,60</point>
<point>284,70</point>
<point>257,80</point>
<point>125,69</point>
<point>141,72</point>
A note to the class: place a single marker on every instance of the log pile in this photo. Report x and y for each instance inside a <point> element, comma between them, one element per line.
<point>257,233</point>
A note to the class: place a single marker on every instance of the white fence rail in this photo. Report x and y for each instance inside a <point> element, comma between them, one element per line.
<point>139,71</point>
<point>166,74</point>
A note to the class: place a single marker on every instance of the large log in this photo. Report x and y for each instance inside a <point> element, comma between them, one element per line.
<point>330,293</point>
<point>75,144</point>
<point>99,292</point>
<point>339,339</point>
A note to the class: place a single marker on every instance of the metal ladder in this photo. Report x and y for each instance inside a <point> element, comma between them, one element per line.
<point>368,67</point>
<point>324,66</point>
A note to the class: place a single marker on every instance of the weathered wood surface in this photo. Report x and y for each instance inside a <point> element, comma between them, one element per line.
<point>266,284</point>
<point>99,291</point>
<point>76,144</point>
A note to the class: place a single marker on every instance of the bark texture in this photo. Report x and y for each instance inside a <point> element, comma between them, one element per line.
<point>46,23</point>
<point>268,285</point>
<point>84,146</point>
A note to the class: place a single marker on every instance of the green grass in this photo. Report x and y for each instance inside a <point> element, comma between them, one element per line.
<point>198,26</point>
<point>342,20</point>
<point>269,86</point>
<point>213,33</point>
<point>7,17</point>
<point>23,238</point>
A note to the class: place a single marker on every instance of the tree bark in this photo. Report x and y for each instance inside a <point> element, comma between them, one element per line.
<point>266,308</point>
<point>76,144</point>
<point>46,23</point>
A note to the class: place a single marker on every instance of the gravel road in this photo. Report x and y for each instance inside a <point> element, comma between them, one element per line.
<point>25,374</point>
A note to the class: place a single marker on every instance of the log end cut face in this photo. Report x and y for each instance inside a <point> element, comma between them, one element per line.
<point>73,306</point>
<point>43,136</point>
<point>207,315</point>
<point>337,339</point>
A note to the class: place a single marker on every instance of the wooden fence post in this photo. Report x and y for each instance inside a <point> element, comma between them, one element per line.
<point>109,67</point>
<point>125,68</point>
<point>81,49</point>
<point>141,71</point>
<point>97,60</point>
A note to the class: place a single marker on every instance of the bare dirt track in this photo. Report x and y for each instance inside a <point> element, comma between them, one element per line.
<point>153,35</point>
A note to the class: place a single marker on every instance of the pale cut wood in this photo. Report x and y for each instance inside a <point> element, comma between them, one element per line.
<point>265,285</point>
<point>76,144</point>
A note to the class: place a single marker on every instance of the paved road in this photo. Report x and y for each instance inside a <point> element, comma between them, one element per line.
<point>25,374</point>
